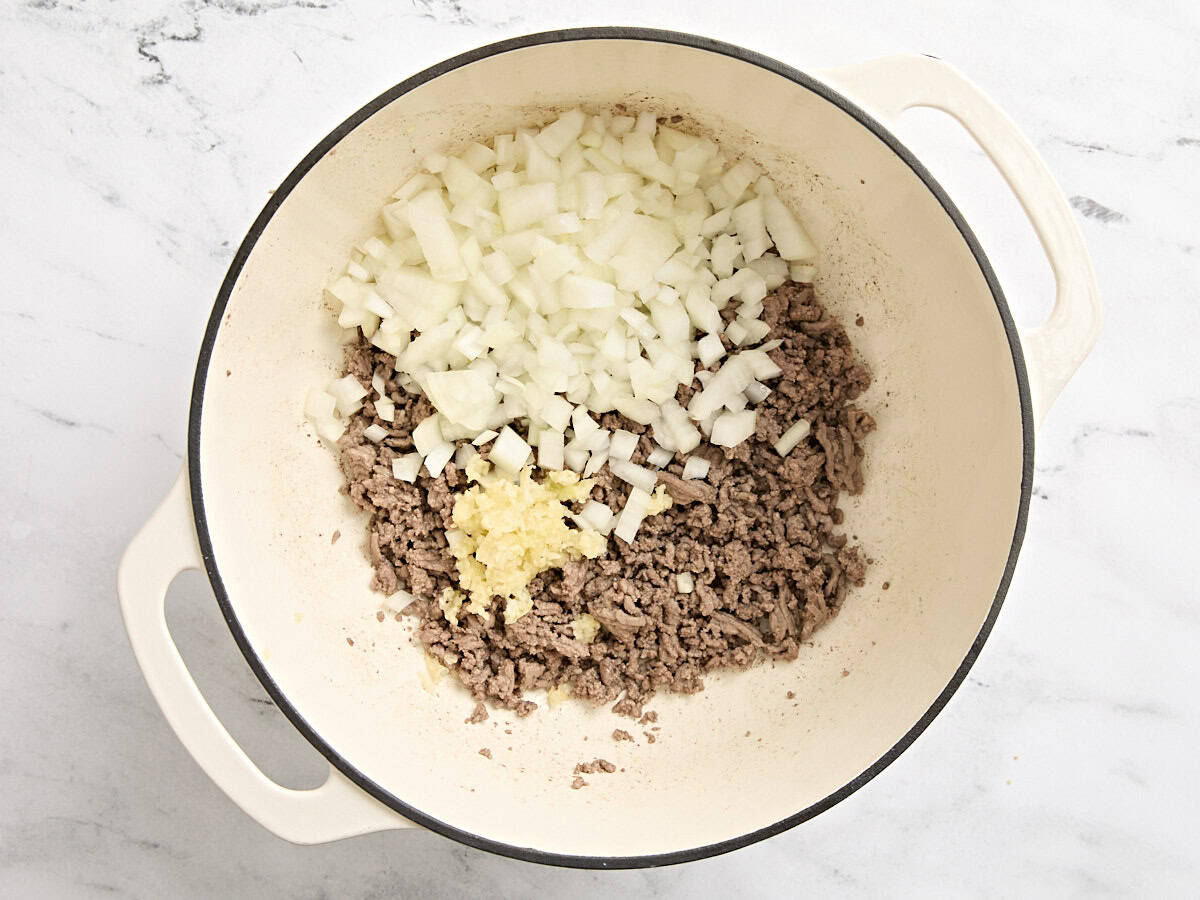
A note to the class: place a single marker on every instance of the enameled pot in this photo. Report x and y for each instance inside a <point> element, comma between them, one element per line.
<point>957,395</point>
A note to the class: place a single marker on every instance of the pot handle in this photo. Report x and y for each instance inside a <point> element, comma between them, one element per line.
<point>886,88</point>
<point>164,547</point>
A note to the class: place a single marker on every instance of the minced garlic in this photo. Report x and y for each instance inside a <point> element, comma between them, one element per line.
<point>506,532</point>
<point>660,500</point>
<point>586,628</point>
<point>451,602</point>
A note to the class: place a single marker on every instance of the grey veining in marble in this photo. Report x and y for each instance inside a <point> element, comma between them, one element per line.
<point>139,141</point>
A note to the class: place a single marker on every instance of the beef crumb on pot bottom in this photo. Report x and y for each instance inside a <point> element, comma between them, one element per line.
<point>758,537</point>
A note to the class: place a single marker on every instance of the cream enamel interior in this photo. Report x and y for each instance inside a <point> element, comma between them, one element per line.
<point>938,515</point>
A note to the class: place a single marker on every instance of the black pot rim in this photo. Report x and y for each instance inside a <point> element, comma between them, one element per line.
<point>197,401</point>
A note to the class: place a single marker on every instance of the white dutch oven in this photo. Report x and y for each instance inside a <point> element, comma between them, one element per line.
<point>948,474</point>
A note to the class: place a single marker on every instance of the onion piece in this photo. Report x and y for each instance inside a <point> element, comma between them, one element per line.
<point>427,434</point>
<point>659,457</point>
<point>319,405</point>
<point>509,453</point>
<point>407,467</point>
<point>464,454</point>
<point>347,394</point>
<point>622,445</point>
<point>632,474</point>
<point>484,436</point>
<point>757,392</point>
<point>550,449</point>
<point>596,516</point>
<point>789,236</point>
<point>709,349</point>
<point>436,459</point>
<point>731,428</point>
<point>632,514</point>
<point>428,219</point>
<point>696,467</point>
<point>685,582</point>
<point>375,433</point>
<point>576,458</point>
<point>793,436</point>
<point>331,429</point>
<point>595,463</point>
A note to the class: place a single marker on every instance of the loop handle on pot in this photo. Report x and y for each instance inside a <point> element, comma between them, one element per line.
<point>164,547</point>
<point>1053,351</point>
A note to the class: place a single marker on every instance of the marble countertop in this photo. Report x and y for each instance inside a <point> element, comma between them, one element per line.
<point>141,138</point>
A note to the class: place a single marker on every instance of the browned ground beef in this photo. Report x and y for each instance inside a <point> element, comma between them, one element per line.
<point>759,535</point>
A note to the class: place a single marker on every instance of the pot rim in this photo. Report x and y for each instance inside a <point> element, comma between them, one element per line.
<point>347,768</point>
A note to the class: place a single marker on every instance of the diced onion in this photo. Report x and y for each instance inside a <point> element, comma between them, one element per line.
<point>347,394</point>
<point>793,436</point>
<point>597,516</point>
<point>375,433</point>
<point>709,349</point>
<point>576,458</point>
<point>484,436</point>
<point>622,445</point>
<point>757,392</point>
<point>634,511</point>
<point>632,474</point>
<point>436,459</point>
<point>407,467</point>
<point>509,453</point>
<point>553,274</point>
<point>464,454</point>
<point>550,449</point>
<point>695,467</point>
<point>685,582</point>
<point>731,428</point>
<point>427,434</point>
<point>659,457</point>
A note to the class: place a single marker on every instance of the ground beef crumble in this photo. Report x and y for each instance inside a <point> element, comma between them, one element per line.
<point>759,536</point>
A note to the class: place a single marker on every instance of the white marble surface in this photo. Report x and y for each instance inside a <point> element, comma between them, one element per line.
<point>140,139</point>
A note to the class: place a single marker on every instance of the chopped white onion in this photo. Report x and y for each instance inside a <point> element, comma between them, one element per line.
<point>436,459</point>
<point>789,439</point>
<point>659,457</point>
<point>550,449</point>
<point>791,240</point>
<point>756,392</point>
<point>484,436</point>
<point>319,405</point>
<point>407,467</point>
<point>695,467</point>
<point>554,273</point>
<point>556,412</point>
<point>594,464</point>
<point>632,474</point>
<point>385,409</point>
<point>427,434</point>
<point>596,516</point>
<point>576,458</point>
<point>347,394</point>
<point>685,582</point>
<point>731,428</point>
<point>802,274</point>
<point>709,349</point>
<point>622,445</point>
<point>464,454</point>
<point>634,511</point>
<point>375,433</point>
<point>509,453</point>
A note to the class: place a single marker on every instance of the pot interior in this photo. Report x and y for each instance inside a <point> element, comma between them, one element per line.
<point>938,516</point>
